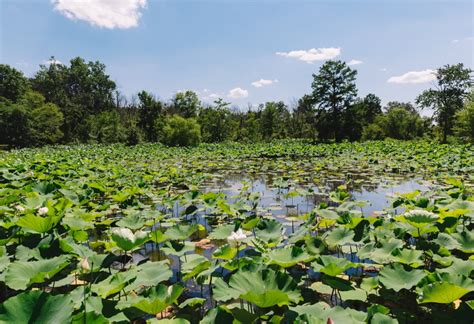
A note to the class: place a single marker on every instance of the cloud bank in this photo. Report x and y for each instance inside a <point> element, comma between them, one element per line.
<point>414,77</point>
<point>262,82</point>
<point>238,93</point>
<point>313,54</point>
<point>109,14</point>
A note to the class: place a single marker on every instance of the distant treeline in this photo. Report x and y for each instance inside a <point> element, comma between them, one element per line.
<point>79,103</point>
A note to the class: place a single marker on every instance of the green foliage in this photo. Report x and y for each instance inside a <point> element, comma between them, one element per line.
<point>13,84</point>
<point>150,116</point>
<point>135,233</point>
<point>334,90</point>
<point>464,123</point>
<point>186,104</point>
<point>179,131</point>
<point>14,125</point>
<point>453,85</point>
<point>106,127</point>
<point>37,307</point>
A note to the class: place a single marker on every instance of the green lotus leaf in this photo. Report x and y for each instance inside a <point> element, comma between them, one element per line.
<point>155,300</point>
<point>271,232</point>
<point>397,278</point>
<point>321,313</point>
<point>331,265</point>
<point>447,241</point>
<point>22,274</point>
<point>315,245</point>
<point>134,221</point>
<point>337,283</point>
<point>458,267</point>
<point>262,287</point>
<point>177,248</point>
<point>409,257</point>
<point>194,265</point>
<point>339,236</point>
<point>461,207</point>
<point>38,224</point>
<point>465,241</point>
<point>381,254</point>
<point>441,293</point>
<point>191,302</point>
<point>36,307</point>
<point>383,319</point>
<point>127,240</point>
<point>288,256</point>
<point>111,285</point>
<point>181,232</point>
<point>149,274</point>
<point>222,232</point>
<point>225,252</point>
<point>158,236</point>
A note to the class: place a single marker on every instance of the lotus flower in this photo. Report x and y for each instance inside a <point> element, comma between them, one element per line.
<point>235,238</point>
<point>85,265</point>
<point>43,210</point>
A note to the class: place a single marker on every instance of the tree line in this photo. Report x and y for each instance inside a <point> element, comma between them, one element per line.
<point>79,103</point>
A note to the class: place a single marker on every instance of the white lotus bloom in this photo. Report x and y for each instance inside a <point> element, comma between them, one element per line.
<point>85,264</point>
<point>43,210</point>
<point>235,238</point>
<point>20,208</point>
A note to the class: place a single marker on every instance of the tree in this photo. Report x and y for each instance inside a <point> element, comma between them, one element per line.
<point>46,124</point>
<point>80,90</point>
<point>150,116</point>
<point>45,119</point>
<point>362,113</point>
<point>371,107</point>
<point>464,122</point>
<point>400,123</point>
<point>180,131</point>
<point>215,122</point>
<point>304,120</point>
<point>274,120</point>
<point>334,90</point>
<point>106,127</point>
<point>453,84</point>
<point>13,84</point>
<point>186,104</point>
<point>14,124</point>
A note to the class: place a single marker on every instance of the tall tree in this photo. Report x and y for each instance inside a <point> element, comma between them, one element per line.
<point>13,84</point>
<point>334,90</point>
<point>79,90</point>
<point>304,120</point>
<point>371,108</point>
<point>453,84</point>
<point>186,104</point>
<point>150,116</point>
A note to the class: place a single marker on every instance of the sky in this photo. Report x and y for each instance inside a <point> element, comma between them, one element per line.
<point>244,51</point>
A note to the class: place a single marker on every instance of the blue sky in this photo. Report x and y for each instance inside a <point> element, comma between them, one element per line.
<point>221,47</point>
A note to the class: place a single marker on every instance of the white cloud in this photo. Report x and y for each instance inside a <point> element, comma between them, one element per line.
<point>262,82</point>
<point>53,62</point>
<point>313,54</point>
<point>414,77</point>
<point>110,14</point>
<point>238,93</point>
<point>354,62</point>
<point>383,69</point>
